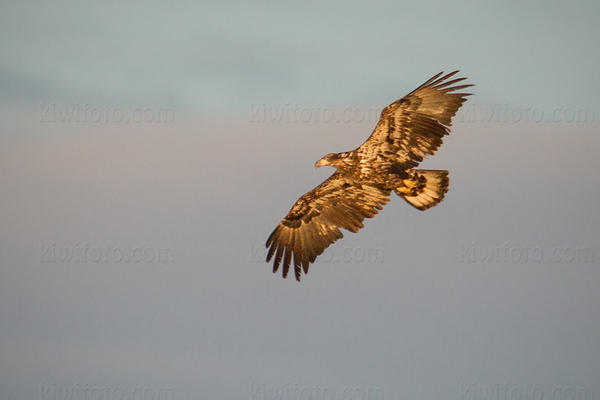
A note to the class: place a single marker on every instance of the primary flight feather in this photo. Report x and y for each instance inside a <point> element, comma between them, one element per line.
<point>408,130</point>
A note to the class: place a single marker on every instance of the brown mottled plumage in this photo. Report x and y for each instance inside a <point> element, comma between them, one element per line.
<point>408,130</point>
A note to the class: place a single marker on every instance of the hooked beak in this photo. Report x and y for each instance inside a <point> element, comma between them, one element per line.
<point>320,163</point>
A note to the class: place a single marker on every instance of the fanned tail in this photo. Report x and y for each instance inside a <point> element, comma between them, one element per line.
<point>424,188</point>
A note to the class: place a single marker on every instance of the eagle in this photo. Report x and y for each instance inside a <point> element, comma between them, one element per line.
<point>408,130</point>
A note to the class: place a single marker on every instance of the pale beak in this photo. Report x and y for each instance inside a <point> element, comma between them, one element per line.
<point>320,163</point>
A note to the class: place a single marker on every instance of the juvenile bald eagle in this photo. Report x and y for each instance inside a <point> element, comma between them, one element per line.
<point>408,130</point>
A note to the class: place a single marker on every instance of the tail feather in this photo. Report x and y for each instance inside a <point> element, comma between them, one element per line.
<point>424,188</point>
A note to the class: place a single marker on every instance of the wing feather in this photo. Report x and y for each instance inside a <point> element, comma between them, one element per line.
<point>414,126</point>
<point>314,222</point>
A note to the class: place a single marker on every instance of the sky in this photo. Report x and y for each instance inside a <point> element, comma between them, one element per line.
<point>148,149</point>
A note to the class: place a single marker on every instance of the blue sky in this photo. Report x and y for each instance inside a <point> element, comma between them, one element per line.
<point>222,56</point>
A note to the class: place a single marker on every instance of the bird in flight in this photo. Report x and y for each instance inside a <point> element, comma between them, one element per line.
<point>408,130</point>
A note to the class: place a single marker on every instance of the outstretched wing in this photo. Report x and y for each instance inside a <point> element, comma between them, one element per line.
<point>413,127</point>
<point>313,222</point>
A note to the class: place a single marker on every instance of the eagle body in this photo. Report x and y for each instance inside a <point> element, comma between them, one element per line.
<point>408,130</point>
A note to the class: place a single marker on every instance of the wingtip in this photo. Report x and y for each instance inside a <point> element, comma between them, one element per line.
<point>271,237</point>
<point>443,78</point>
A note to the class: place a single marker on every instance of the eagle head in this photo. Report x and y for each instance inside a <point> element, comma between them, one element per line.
<point>331,159</point>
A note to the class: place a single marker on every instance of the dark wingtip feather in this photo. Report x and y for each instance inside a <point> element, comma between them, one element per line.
<point>297,265</point>
<point>443,78</point>
<point>271,252</point>
<point>448,83</point>
<point>271,237</point>
<point>453,88</point>
<point>305,265</point>
<point>277,258</point>
<point>428,81</point>
<point>286,261</point>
